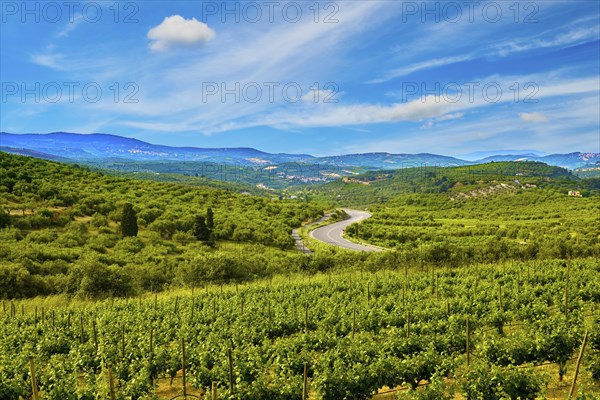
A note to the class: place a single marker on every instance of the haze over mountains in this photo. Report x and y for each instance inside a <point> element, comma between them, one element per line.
<point>97,147</point>
<point>479,155</point>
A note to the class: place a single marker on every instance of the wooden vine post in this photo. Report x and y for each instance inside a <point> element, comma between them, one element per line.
<point>183,367</point>
<point>123,341</point>
<point>230,358</point>
<point>353,320</point>
<point>81,328</point>
<point>95,334</point>
<point>577,366</point>
<point>111,383</point>
<point>214,391</point>
<point>34,387</point>
<point>305,382</point>
<point>468,343</point>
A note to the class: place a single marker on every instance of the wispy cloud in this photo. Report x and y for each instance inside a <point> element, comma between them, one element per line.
<point>433,63</point>
<point>51,57</point>
<point>497,129</point>
<point>571,36</point>
<point>535,117</point>
<point>50,60</point>
<point>429,107</point>
<point>70,27</point>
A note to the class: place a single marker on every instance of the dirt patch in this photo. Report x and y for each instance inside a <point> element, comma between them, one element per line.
<point>164,389</point>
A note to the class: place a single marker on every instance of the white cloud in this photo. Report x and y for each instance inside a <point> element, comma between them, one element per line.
<point>335,115</point>
<point>533,117</point>
<point>50,60</point>
<point>71,25</point>
<point>176,31</point>
<point>321,96</point>
<point>409,69</point>
<point>449,117</point>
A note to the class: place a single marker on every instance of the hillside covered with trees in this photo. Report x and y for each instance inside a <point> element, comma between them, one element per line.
<point>381,186</point>
<point>66,229</point>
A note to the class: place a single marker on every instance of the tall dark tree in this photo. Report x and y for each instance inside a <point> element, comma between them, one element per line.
<point>201,231</point>
<point>210,221</point>
<point>4,219</point>
<point>129,225</point>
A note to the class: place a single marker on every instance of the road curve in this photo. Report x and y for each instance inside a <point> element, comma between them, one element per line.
<point>296,236</point>
<point>333,233</point>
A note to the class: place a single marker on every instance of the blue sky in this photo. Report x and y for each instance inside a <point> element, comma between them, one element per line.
<point>320,78</point>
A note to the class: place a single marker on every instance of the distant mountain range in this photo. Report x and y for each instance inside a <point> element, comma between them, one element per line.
<point>93,148</point>
<point>479,155</point>
<point>83,147</point>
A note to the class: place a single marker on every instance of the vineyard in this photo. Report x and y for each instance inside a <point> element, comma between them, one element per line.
<point>422,333</point>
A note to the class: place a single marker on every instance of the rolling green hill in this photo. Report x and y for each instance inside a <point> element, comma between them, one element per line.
<point>484,213</point>
<point>380,186</point>
<point>61,231</point>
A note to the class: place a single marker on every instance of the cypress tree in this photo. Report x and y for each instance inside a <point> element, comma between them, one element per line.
<point>210,222</point>
<point>4,219</point>
<point>201,231</point>
<point>129,226</point>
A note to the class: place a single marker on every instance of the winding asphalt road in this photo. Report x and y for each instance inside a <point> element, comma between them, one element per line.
<point>333,233</point>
